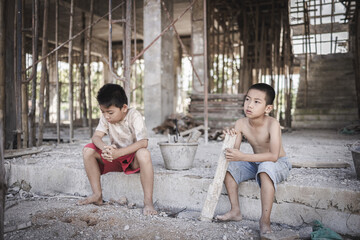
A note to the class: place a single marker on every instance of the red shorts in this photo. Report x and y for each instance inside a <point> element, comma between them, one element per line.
<point>121,164</point>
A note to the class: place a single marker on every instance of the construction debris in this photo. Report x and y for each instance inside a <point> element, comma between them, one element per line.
<point>186,125</point>
<point>23,152</point>
<point>184,122</point>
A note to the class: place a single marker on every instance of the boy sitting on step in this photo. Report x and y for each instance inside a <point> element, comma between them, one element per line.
<point>268,165</point>
<point>128,150</point>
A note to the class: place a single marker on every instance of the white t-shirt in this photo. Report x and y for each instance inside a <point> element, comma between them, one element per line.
<point>126,132</point>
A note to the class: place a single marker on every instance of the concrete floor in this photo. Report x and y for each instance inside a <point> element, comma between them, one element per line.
<point>329,195</point>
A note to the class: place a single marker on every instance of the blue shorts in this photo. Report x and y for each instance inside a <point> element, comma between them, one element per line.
<point>278,171</point>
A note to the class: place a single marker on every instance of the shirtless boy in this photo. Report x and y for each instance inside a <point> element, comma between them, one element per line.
<point>128,150</point>
<point>268,164</point>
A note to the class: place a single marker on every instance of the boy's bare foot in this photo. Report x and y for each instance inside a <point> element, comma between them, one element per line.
<point>149,210</point>
<point>93,199</point>
<point>265,227</point>
<point>230,216</point>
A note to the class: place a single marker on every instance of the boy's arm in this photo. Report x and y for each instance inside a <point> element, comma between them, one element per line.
<point>138,126</point>
<point>272,155</point>
<point>97,139</point>
<point>143,143</point>
<point>239,135</point>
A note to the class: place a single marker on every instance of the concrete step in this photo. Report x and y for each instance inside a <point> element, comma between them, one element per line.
<point>327,111</point>
<point>320,124</point>
<point>324,118</point>
<point>330,117</point>
<point>307,195</point>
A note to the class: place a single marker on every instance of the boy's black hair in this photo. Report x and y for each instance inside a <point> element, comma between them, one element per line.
<point>269,91</point>
<point>112,95</point>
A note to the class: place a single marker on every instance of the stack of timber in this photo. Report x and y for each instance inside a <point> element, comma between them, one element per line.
<point>223,109</point>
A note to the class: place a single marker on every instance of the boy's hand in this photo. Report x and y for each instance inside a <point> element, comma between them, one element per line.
<point>231,132</point>
<point>108,152</point>
<point>233,154</point>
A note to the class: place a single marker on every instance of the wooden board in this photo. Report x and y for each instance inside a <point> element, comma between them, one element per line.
<point>215,187</point>
<point>21,152</point>
<point>314,164</point>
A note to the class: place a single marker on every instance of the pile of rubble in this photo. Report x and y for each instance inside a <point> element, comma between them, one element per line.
<point>184,124</point>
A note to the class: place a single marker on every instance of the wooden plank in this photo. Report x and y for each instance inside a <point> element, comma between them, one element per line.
<point>219,116</point>
<point>216,103</point>
<point>219,96</point>
<point>187,132</point>
<point>21,152</point>
<point>215,187</point>
<point>223,111</point>
<point>218,106</point>
<point>314,164</point>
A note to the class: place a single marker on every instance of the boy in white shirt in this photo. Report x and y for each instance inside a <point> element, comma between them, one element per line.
<point>128,151</point>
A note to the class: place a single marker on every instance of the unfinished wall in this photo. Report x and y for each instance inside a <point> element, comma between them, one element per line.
<point>331,93</point>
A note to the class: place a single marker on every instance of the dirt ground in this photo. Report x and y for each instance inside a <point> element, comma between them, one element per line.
<point>31,216</point>
<point>61,218</point>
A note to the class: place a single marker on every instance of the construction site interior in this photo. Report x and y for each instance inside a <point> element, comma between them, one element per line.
<point>180,61</point>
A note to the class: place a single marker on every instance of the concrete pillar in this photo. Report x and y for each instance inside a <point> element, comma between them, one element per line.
<point>158,59</point>
<point>197,44</point>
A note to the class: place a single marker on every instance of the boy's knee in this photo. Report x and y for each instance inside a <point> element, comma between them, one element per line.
<point>143,154</point>
<point>88,152</point>
<point>264,176</point>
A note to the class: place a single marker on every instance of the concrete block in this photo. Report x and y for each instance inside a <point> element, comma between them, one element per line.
<point>294,204</point>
